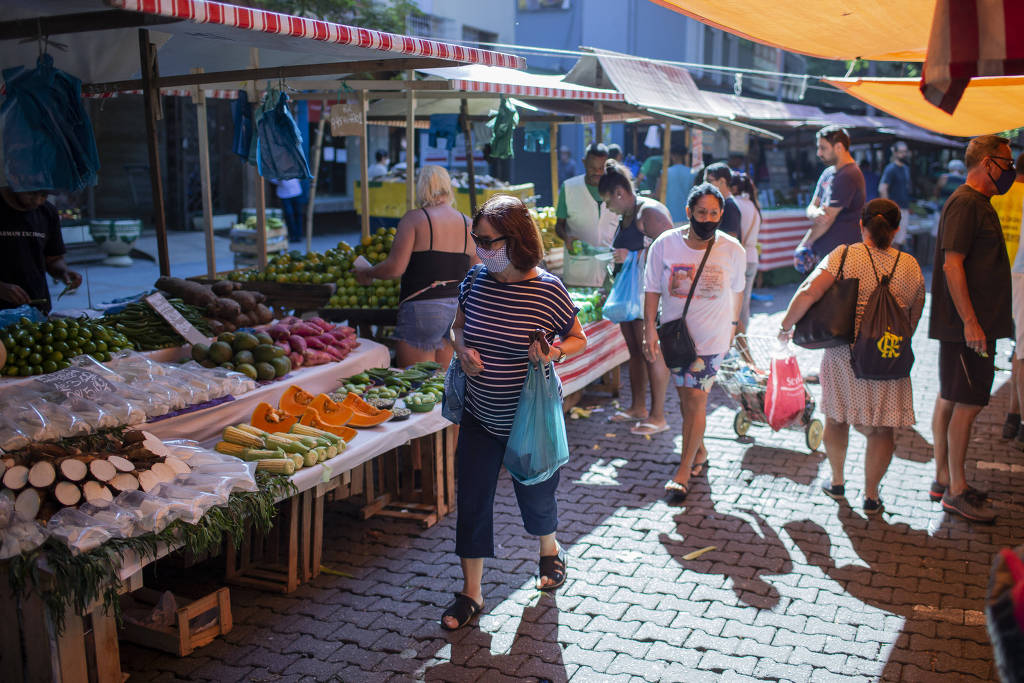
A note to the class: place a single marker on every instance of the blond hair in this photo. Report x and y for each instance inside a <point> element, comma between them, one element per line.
<point>434,187</point>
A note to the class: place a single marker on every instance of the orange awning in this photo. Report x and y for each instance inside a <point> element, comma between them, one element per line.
<point>832,29</point>
<point>989,105</point>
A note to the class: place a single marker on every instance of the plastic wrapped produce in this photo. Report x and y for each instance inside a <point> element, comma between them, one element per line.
<point>120,522</point>
<point>78,530</point>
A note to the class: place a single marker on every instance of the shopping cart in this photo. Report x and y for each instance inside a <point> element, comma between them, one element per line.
<point>744,376</point>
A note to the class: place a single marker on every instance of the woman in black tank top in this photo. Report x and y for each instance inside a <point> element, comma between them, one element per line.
<point>431,254</point>
<point>643,219</point>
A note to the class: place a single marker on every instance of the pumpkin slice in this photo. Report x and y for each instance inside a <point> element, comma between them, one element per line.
<point>357,404</point>
<point>295,400</point>
<point>363,421</point>
<point>311,418</point>
<point>269,419</point>
<point>330,411</point>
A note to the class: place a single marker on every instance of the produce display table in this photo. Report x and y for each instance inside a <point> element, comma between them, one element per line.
<point>387,199</point>
<point>205,425</point>
<point>606,351</point>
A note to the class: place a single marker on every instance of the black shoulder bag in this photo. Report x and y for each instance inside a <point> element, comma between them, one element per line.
<point>830,321</point>
<point>676,342</point>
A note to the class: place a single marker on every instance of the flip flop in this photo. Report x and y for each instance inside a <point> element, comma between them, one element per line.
<point>463,609</point>
<point>675,492</point>
<point>648,429</point>
<point>553,567</point>
<point>623,416</point>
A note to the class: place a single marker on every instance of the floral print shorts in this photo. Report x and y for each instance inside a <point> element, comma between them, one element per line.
<point>701,373</point>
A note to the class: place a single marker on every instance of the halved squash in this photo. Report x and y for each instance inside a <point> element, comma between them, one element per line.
<point>269,419</point>
<point>330,411</point>
<point>362,421</point>
<point>312,418</point>
<point>295,400</point>
<point>357,404</point>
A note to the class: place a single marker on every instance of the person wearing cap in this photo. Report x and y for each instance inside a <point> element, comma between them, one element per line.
<point>31,246</point>
<point>875,407</point>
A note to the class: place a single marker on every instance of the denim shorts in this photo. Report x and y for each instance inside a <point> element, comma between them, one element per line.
<point>478,462</point>
<point>424,324</point>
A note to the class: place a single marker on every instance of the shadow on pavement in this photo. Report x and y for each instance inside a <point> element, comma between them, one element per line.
<point>909,573</point>
<point>746,549</point>
<point>535,653</point>
<point>799,467</point>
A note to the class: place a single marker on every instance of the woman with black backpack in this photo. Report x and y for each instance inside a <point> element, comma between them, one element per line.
<point>867,384</point>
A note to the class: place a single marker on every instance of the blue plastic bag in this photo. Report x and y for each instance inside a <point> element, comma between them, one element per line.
<point>537,446</point>
<point>454,397</point>
<point>48,142</point>
<point>625,301</point>
<point>9,316</point>
<point>279,145</point>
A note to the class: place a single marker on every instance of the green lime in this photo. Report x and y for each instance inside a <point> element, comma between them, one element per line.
<point>61,346</point>
<point>37,369</point>
<point>55,356</point>
<point>35,359</point>
<point>11,371</point>
<point>49,366</point>
<point>24,351</point>
<point>24,370</point>
<point>101,345</point>
<point>60,333</point>
<point>88,347</point>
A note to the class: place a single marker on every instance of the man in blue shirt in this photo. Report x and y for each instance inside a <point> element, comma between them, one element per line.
<point>895,184</point>
<point>680,179</point>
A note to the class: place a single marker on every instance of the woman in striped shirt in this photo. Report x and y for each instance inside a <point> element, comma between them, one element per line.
<point>501,304</point>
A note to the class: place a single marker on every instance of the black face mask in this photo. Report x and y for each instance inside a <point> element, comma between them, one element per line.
<point>1004,181</point>
<point>703,230</point>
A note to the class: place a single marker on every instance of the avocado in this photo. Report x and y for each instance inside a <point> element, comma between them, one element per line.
<point>265,352</point>
<point>264,338</point>
<point>248,370</point>
<point>200,352</point>
<point>244,342</point>
<point>282,365</point>
<point>265,371</point>
<point>220,352</point>
<point>228,337</point>
<point>244,357</point>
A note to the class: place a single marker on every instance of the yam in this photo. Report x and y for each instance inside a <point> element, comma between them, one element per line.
<point>245,299</point>
<point>163,472</point>
<point>26,505</point>
<point>42,474</point>
<point>177,465</point>
<point>67,494</point>
<point>102,470</point>
<point>73,469</point>
<point>245,320</point>
<point>121,464</point>
<point>94,491</point>
<point>225,309</point>
<point>216,326</point>
<point>134,436</point>
<point>125,482</point>
<point>15,478</point>
<point>148,480</point>
<point>222,287</point>
<point>263,314</point>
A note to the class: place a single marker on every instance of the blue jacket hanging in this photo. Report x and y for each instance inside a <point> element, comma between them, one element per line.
<point>48,141</point>
<point>444,126</point>
<point>279,144</point>
<point>241,112</point>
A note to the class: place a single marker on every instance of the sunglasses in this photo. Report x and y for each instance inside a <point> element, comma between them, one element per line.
<point>1008,160</point>
<point>486,243</point>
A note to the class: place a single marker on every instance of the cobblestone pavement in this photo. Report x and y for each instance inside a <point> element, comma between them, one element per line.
<point>798,587</point>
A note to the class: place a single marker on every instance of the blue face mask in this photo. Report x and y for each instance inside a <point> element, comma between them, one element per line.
<point>1005,180</point>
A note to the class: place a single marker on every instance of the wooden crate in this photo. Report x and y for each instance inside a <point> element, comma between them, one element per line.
<point>416,481</point>
<point>86,652</point>
<point>180,639</point>
<point>289,554</point>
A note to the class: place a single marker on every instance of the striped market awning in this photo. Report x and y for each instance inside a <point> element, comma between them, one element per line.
<point>503,81</point>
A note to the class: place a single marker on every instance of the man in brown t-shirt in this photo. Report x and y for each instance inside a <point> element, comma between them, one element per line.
<point>970,311</point>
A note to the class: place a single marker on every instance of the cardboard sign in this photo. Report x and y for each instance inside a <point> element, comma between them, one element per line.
<point>77,383</point>
<point>346,119</point>
<point>169,313</point>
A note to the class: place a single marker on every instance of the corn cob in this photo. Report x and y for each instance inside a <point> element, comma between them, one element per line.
<point>306,430</point>
<point>297,459</point>
<point>262,454</point>
<point>256,431</point>
<point>228,448</point>
<point>310,457</point>
<point>276,466</point>
<point>286,445</point>
<point>242,438</point>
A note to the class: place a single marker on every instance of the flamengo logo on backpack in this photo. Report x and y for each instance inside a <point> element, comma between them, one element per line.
<point>889,345</point>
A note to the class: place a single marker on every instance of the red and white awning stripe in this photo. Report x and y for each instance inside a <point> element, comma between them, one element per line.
<point>971,38</point>
<point>606,350</point>
<point>209,12</point>
<point>781,232</point>
<point>537,91</point>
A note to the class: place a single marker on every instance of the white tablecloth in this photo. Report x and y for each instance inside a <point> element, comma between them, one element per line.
<point>207,424</point>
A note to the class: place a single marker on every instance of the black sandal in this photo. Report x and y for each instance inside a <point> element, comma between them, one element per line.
<point>553,567</point>
<point>676,492</point>
<point>463,610</point>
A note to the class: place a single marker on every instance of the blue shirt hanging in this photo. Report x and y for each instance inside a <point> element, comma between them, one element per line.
<point>444,126</point>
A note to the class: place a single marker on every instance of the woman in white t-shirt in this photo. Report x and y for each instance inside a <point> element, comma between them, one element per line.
<point>672,264</point>
<point>745,193</point>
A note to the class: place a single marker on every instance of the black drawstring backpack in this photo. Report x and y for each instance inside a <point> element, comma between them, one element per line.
<point>882,348</point>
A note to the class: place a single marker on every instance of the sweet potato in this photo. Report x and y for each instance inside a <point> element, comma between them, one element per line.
<point>314,357</point>
<point>245,320</point>
<point>296,359</point>
<point>226,309</point>
<point>321,323</point>
<point>245,299</point>
<point>278,332</point>
<point>314,343</point>
<point>263,314</point>
<point>298,343</point>
<point>306,330</point>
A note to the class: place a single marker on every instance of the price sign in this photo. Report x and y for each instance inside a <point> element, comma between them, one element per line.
<point>346,119</point>
<point>77,383</point>
<point>169,313</point>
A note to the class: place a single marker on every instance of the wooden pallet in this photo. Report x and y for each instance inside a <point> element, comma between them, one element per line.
<point>180,639</point>
<point>289,554</point>
<point>416,481</point>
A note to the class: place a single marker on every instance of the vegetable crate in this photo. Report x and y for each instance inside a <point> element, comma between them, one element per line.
<point>182,638</point>
<point>86,651</point>
<point>744,376</point>
<point>416,481</point>
<point>289,554</point>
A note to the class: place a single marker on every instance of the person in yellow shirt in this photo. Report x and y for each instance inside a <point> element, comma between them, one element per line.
<point>1010,207</point>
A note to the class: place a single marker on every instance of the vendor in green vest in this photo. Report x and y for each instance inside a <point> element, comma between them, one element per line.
<point>581,213</point>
